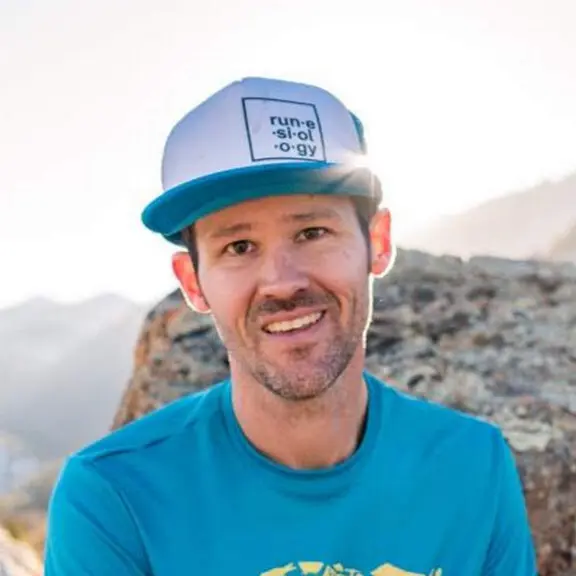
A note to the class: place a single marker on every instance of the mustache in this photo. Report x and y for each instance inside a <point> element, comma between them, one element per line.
<point>300,300</point>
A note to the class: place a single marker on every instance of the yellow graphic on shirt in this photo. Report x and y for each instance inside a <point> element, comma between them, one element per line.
<point>322,569</point>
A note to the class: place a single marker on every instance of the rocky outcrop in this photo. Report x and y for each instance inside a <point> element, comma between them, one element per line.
<point>17,558</point>
<point>491,337</point>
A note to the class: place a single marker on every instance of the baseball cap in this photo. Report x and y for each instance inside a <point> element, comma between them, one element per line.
<point>253,138</point>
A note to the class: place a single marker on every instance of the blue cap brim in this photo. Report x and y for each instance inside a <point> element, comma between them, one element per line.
<point>181,206</point>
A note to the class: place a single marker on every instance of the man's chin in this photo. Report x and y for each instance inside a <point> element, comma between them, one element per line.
<point>301,386</point>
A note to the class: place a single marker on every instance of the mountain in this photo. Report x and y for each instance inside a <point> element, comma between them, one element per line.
<point>17,463</point>
<point>565,246</point>
<point>521,225</point>
<point>63,368</point>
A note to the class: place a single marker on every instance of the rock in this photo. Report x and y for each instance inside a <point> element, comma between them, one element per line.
<point>17,558</point>
<point>490,336</point>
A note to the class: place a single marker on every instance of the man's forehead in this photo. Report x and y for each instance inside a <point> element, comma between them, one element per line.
<point>285,209</point>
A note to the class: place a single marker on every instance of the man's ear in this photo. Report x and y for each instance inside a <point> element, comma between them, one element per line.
<point>188,281</point>
<point>381,241</point>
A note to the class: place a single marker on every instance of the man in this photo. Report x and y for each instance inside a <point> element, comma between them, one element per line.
<point>301,462</point>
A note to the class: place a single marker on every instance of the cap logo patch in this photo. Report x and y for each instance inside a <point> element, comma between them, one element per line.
<point>283,130</point>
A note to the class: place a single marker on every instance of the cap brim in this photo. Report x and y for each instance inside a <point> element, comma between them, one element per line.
<point>182,205</point>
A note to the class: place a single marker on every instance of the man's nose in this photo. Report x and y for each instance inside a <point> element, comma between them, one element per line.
<point>281,276</point>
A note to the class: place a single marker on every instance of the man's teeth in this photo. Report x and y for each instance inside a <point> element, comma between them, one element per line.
<point>288,325</point>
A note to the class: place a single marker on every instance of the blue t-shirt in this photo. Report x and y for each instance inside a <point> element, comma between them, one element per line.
<point>430,491</point>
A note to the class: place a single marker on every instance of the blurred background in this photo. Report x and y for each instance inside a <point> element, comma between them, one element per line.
<point>470,114</point>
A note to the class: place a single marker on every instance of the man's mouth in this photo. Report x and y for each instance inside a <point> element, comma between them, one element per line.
<point>293,325</point>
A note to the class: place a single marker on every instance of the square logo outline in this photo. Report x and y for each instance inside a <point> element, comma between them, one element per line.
<point>299,158</point>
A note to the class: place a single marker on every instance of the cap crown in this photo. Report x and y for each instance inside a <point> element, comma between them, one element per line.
<point>258,121</point>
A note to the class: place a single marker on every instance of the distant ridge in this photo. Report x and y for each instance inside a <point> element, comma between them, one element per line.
<point>521,225</point>
<point>64,367</point>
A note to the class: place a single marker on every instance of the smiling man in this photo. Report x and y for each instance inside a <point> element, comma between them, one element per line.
<point>301,462</point>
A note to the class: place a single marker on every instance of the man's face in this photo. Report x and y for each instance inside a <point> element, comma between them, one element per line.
<point>287,283</point>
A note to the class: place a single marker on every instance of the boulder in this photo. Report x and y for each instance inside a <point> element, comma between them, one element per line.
<point>488,336</point>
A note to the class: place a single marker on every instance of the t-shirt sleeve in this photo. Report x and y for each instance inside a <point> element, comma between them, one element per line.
<point>90,530</point>
<point>511,551</point>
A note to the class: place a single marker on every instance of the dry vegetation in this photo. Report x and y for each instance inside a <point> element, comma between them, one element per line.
<point>23,512</point>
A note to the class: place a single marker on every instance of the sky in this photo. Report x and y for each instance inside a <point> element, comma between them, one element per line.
<point>462,102</point>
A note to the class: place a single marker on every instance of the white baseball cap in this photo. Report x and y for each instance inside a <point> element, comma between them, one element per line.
<point>258,137</point>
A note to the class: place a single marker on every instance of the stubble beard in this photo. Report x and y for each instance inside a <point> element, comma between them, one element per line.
<point>304,374</point>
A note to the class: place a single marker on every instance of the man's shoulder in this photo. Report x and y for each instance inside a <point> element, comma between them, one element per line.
<point>421,421</point>
<point>143,450</point>
<point>156,426</point>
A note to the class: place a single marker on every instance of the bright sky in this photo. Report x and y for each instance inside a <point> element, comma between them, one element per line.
<point>462,101</point>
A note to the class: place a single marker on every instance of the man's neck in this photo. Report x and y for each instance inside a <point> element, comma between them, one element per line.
<point>310,434</point>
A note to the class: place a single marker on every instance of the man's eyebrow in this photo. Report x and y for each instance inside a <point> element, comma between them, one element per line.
<point>311,215</point>
<point>308,216</point>
<point>232,230</point>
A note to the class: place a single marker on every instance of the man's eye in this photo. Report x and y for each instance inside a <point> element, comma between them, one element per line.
<point>313,233</point>
<point>238,248</point>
